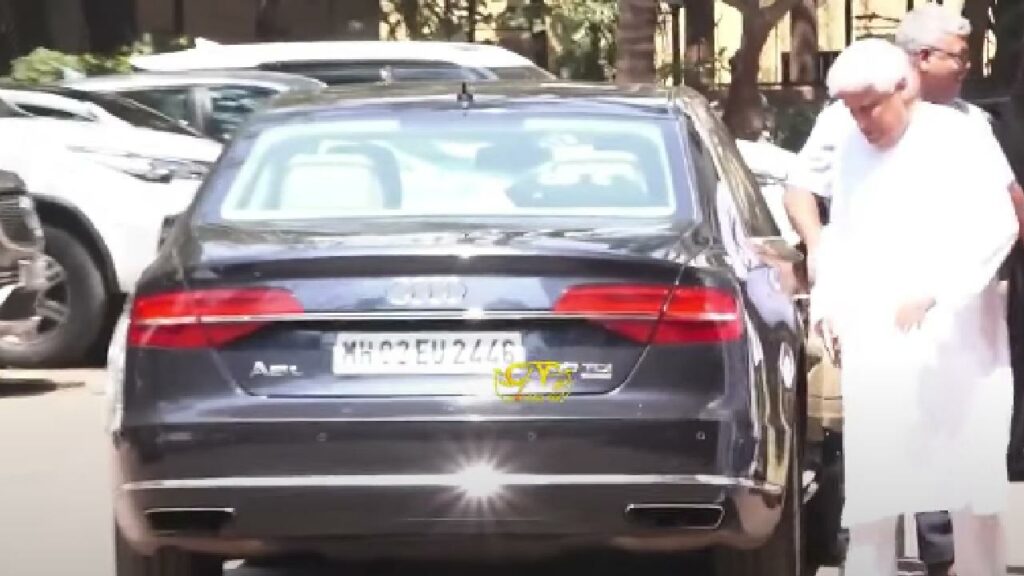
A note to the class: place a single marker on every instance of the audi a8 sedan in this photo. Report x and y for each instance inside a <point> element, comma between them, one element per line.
<point>501,320</point>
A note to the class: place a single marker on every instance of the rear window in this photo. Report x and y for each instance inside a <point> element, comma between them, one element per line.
<point>449,164</point>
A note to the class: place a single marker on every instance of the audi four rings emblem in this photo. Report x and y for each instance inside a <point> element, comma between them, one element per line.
<point>426,292</point>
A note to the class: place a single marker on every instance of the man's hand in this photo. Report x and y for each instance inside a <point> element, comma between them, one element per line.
<point>911,314</point>
<point>1017,195</point>
<point>826,331</point>
<point>802,209</point>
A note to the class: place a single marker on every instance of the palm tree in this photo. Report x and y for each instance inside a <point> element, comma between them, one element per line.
<point>638,23</point>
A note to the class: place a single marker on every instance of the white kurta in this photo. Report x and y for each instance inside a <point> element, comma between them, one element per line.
<point>926,413</point>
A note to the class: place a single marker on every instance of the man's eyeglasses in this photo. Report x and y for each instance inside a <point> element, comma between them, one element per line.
<point>963,58</point>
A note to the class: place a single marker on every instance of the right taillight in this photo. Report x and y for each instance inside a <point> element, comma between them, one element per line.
<point>657,314</point>
<point>202,318</point>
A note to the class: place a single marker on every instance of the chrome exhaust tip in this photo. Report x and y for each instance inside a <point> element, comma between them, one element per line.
<point>674,515</point>
<point>189,520</point>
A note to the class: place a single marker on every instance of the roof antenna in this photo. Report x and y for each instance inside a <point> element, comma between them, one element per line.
<point>465,97</point>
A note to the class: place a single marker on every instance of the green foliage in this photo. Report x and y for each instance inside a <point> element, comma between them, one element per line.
<point>698,76</point>
<point>583,34</point>
<point>793,123</point>
<point>428,20</point>
<point>43,65</point>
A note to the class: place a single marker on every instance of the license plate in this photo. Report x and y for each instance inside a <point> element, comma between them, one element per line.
<point>426,352</point>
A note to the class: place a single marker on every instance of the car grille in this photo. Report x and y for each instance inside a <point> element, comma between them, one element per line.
<point>19,224</point>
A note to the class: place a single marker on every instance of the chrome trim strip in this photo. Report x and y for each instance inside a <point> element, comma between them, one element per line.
<point>454,480</point>
<point>464,315</point>
<point>188,509</point>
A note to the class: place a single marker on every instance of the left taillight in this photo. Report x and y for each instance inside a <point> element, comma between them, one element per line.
<point>205,318</point>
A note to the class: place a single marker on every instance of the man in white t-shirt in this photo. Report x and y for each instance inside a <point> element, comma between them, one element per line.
<point>935,39</point>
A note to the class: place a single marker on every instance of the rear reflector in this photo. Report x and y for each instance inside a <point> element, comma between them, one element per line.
<point>200,318</point>
<point>657,314</point>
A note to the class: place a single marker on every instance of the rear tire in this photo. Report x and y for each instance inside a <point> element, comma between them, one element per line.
<point>166,562</point>
<point>783,553</point>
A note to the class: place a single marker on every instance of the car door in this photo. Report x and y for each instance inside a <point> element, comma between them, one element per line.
<point>745,229</point>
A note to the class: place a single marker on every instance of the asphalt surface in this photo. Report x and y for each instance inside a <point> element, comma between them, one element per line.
<point>55,493</point>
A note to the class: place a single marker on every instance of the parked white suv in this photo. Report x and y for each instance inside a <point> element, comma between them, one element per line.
<point>102,191</point>
<point>354,61</point>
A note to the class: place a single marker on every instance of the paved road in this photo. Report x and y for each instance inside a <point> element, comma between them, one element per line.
<point>55,490</point>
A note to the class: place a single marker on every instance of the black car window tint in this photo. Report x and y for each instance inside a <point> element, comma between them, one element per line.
<point>705,172</point>
<point>751,205</point>
<point>171,102</point>
<point>331,73</point>
<point>53,113</point>
<point>232,105</point>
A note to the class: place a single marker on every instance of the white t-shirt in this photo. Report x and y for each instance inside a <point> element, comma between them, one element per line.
<point>812,169</point>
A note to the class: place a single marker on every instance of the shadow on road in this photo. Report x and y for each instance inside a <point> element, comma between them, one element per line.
<point>13,387</point>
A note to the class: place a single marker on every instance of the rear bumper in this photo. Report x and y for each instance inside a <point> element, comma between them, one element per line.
<point>348,515</point>
<point>367,497</point>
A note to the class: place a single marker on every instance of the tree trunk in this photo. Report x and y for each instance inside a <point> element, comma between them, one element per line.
<point>410,11</point>
<point>638,22</point>
<point>592,69</point>
<point>267,19</point>
<point>8,37</point>
<point>803,55</point>
<point>976,11</point>
<point>448,26</point>
<point>179,17</point>
<point>471,14</point>
<point>743,113</point>
<point>111,24</point>
<point>699,48</point>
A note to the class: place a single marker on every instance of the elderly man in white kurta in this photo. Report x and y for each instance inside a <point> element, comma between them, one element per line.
<point>907,283</point>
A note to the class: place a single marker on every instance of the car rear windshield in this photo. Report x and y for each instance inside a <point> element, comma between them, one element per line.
<point>487,164</point>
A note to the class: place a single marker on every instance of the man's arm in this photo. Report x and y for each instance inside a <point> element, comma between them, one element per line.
<point>812,172</point>
<point>986,228</point>
<point>802,208</point>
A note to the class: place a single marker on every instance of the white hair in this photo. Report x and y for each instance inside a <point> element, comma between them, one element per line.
<point>868,64</point>
<point>925,26</point>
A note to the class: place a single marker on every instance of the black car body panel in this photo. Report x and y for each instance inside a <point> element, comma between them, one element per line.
<point>257,446</point>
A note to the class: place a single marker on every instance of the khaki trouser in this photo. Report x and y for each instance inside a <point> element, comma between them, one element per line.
<point>824,395</point>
